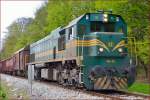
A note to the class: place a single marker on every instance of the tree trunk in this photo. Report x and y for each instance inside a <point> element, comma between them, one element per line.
<point>141,63</point>
<point>149,50</point>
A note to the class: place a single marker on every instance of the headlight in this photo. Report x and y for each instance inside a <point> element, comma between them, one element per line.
<point>101,49</point>
<point>105,19</point>
<point>105,15</point>
<point>120,50</point>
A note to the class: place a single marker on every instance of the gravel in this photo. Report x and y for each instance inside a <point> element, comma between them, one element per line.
<point>43,91</point>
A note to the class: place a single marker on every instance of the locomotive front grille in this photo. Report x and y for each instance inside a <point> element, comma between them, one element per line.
<point>116,83</point>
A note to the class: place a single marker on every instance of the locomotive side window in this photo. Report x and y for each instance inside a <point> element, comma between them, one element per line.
<point>61,43</point>
<point>71,33</point>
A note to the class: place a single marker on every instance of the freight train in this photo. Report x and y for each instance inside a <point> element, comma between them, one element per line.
<point>91,52</point>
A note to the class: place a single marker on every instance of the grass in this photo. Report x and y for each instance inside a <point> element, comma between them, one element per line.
<point>3,95</point>
<point>10,94</point>
<point>140,88</point>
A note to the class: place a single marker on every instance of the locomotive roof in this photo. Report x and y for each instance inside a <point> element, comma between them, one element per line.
<point>76,20</point>
<point>52,35</point>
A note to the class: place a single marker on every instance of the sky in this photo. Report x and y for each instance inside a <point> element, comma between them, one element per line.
<point>11,10</point>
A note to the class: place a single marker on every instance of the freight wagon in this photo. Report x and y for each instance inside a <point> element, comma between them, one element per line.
<point>3,66</point>
<point>9,65</point>
<point>17,64</point>
<point>21,58</point>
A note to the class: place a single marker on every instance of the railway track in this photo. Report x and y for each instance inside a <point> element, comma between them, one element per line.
<point>108,95</point>
<point>117,95</point>
<point>123,95</point>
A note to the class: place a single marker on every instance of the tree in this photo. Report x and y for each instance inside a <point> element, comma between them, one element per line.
<point>16,31</point>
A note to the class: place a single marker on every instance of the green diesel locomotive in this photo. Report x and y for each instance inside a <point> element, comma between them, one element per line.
<point>91,51</point>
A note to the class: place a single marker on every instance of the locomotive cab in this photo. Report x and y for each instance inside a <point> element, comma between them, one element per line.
<point>102,34</point>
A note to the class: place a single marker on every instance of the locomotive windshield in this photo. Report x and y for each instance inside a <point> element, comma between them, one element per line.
<point>97,26</point>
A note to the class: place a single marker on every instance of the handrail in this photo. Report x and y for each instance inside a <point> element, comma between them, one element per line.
<point>134,43</point>
<point>82,45</point>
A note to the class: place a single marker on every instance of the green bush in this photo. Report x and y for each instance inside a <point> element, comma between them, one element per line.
<point>2,94</point>
<point>140,87</point>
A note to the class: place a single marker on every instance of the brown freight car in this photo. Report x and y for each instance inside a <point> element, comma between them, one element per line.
<point>16,63</point>
<point>21,58</point>
<point>0,66</point>
<point>3,67</point>
<point>9,65</point>
<point>24,59</point>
